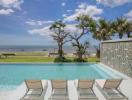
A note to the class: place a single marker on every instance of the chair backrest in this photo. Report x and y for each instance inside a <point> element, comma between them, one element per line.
<point>85,84</point>
<point>112,83</point>
<point>34,84</point>
<point>59,84</point>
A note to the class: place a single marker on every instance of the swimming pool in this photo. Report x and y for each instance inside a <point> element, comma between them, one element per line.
<point>12,75</point>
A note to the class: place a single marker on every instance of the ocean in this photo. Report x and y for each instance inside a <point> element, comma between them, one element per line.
<point>32,48</point>
<point>67,49</point>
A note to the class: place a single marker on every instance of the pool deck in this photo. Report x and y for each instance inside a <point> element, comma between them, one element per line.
<point>125,87</point>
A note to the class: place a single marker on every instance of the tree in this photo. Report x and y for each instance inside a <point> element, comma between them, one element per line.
<point>128,28</point>
<point>97,51</point>
<point>119,26</point>
<point>103,30</point>
<point>59,35</point>
<point>86,25</point>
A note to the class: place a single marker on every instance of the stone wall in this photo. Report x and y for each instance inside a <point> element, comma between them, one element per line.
<point>118,55</point>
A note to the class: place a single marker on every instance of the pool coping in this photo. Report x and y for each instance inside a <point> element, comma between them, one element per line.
<point>116,71</point>
<point>49,63</point>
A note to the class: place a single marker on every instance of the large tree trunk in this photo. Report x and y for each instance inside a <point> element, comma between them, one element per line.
<point>60,51</point>
<point>128,34</point>
<point>80,56</point>
<point>79,51</point>
<point>120,35</point>
<point>98,53</point>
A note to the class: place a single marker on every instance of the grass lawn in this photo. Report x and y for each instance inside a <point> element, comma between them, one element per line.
<point>34,57</point>
<point>37,59</point>
<point>27,59</point>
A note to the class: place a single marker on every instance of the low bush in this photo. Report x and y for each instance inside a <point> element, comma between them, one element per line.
<point>80,60</point>
<point>62,60</point>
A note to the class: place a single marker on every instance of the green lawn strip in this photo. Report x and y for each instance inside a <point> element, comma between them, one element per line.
<point>93,59</point>
<point>27,59</point>
<point>33,59</point>
<point>31,53</point>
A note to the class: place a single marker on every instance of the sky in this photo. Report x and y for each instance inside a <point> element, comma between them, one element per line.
<point>27,22</point>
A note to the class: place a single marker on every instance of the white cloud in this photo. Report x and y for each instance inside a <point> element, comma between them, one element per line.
<point>11,3</point>
<point>69,10</point>
<point>82,5</point>
<point>64,15</point>
<point>42,31</point>
<point>38,22</point>
<point>6,11</point>
<point>63,4</point>
<point>129,15</point>
<point>45,31</point>
<point>72,28</point>
<point>113,3</point>
<point>85,9</point>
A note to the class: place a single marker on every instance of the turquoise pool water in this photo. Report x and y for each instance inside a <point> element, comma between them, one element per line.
<point>12,75</point>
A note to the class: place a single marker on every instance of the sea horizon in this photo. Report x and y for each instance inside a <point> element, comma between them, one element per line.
<point>37,48</point>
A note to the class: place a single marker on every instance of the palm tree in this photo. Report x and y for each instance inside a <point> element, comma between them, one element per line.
<point>59,35</point>
<point>86,25</point>
<point>119,26</point>
<point>103,30</point>
<point>128,28</point>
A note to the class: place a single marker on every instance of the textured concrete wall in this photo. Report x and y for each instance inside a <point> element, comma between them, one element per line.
<point>118,55</point>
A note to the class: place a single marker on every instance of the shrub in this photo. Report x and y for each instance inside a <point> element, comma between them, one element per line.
<point>80,60</point>
<point>62,60</point>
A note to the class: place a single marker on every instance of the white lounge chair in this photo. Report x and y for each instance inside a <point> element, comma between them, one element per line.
<point>59,90</point>
<point>110,90</point>
<point>35,90</point>
<point>85,90</point>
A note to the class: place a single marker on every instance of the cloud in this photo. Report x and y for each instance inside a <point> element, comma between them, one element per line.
<point>71,28</point>
<point>85,9</point>
<point>38,22</point>
<point>8,6</point>
<point>64,15</point>
<point>45,31</point>
<point>11,3</point>
<point>113,3</point>
<point>6,11</point>
<point>42,31</point>
<point>63,4</point>
<point>82,5</point>
<point>129,15</point>
<point>69,10</point>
